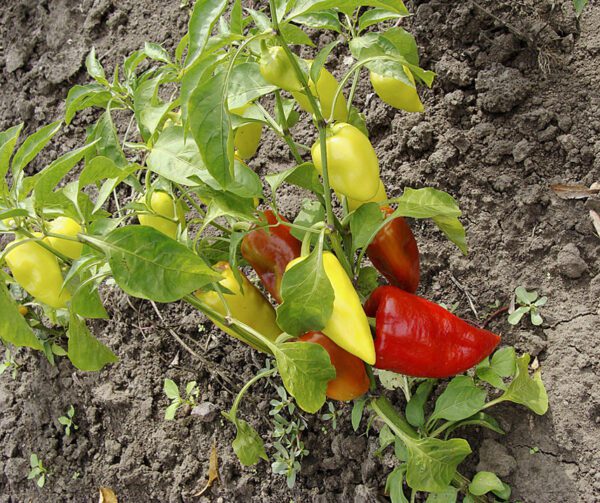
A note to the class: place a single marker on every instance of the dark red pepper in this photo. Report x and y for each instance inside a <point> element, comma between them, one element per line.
<point>419,338</point>
<point>395,254</point>
<point>269,250</point>
<point>351,380</point>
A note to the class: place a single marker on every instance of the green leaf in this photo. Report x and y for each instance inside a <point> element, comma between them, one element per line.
<point>14,329</point>
<point>394,485</point>
<point>32,146</point>
<point>579,6</point>
<point>311,212</point>
<point>211,127</point>
<point>524,296</point>
<point>390,380</point>
<point>365,222</point>
<point>415,408</point>
<point>324,20</point>
<point>171,410</point>
<point>307,295</point>
<point>246,84</point>
<point>525,390</point>
<point>303,7</point>
<point>156,52</point>
<point>357,412</point>
<point>248,446</point>
<point>304,175</point>
<point>320,59</point>
<point>515,317</point>
<point>8,140</point>
<point>367,281</point>
<point>305,370</point>
<point>490,376</point>
<point>404,43</point>
<point>82,97</point>
<point>448,495</point>
<point>99,168</point>
<point>453,230</point>
<point>479,419</point>
<point>504,362</point>
<point>295,36</point>
<point>237,17</point>
<point>484,482</point>
<point>95,69</point>
<point>375,16</point>
<point>108,143</point>
<point>147,264</point>
<point>171,389</point>
<point>85,351</point>
<point>204,16</point>
<point>148,108</point>
<point>461,399</point>
<point>86,301</point>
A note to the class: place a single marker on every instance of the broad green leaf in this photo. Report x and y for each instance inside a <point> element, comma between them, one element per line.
<point>204,16</point>
<point>170,411</point>
<point>461,399</point>
<point>303,7</point>
<point>365,222</point>
<point>85,351</point>
<point>32,146</point>
<point>211,127</point>
<point>14,329</point>
<point>8,140</point>
<point>504,362</point>
<point>375,16</point>
<point>323,20</point>
<point>99,168</point>
<point>108,143</point>
<point>82,97</point>
<point>86,302</point>
<point>525,390</point>
<point>304,175</point>
<point>246,84</point>
<point>453,230</point>
<point>307,295</point>
<point>484,482</point>
<point>95,69</point>
<point>156,52</point>
<point>367,281</point>
<point>248,446</point>
<point>148,108</point>
<point>515,317</point>
<point>415,408</point>
<point>295,36</point>
<point>310,213</point>
<point>479,419</point>
<point>404,42</point>
<point>147,264</point>
<point>394,485</point>
<point>171,389</point>
<point>236,17</point>
<point>489,375</point>
<point>305,370</point>
<point>524,296</point>
<point>448,495</point>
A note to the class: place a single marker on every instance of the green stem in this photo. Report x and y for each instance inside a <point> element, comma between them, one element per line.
<point>286,130</point>
<point>246,387</point>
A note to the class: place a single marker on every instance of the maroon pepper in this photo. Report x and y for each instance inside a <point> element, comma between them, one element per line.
<point>419,338</point>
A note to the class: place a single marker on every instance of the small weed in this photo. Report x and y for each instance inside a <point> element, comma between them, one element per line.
<point>9,363</point>
<point>67,421</point>
<point>177,401</point>
<point>528,303</point>
<point>37,470</point>
<point>332,416</point>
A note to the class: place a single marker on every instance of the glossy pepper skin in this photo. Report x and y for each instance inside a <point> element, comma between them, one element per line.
<point>324,91</point>
<point>351,161</point>
<point>247,137</point>
<point>269,251</point>
<point>395,254</point>
<point>248,306</point>
<point>37,270</point>
<point>351,379</point>
<point>348,326</point>
<point>67,227</point>
<point>419,338</point>
<point>277,69</point>
<point>164,207</point>
<point>396,93</point>
<point>379,196</point>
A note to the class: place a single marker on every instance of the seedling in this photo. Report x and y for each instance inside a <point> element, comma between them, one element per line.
<point>528,303</point>
<point>67,421</point>
<point>177,401</point>
<point>332,416</point>
<point>37,470</point>
<point>9,363</point>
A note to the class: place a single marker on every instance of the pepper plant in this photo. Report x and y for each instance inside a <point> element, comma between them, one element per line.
<point>166,208</point>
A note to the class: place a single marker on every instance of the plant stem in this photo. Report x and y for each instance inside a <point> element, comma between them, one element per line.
<point>246,387</point>
<point>286,130</point>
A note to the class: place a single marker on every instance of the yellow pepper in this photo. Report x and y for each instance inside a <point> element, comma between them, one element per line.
<point>247,304</point>
<point>277,69</point>
<point>65,226</point>
<point>247,137</point>
<point>396,93</point>
<point>164,207</point>
<point>381,196</point>
<point>324,91</point>
<point>348,325</point>
<point>37,271</point>
<point>351,162</point>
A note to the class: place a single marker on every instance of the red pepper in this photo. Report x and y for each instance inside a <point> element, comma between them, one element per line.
<point>419,338</point>
<point>269,251</point>
<point>351,380</point>
<point>395,254</point>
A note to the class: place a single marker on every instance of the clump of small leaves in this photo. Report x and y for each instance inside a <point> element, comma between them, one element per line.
<point>529,302</point>
<point>37,470</point>
<point>67,421</point>
<point>331,415</point>
<point>9,363</point>
<point>290,449</point>
<point>171,389</point>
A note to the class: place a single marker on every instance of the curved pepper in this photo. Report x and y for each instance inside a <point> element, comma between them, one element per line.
<point>419,338</point>
<point>245,303</point>
<point>67,227</point>
<point>247,137</point>
<point>351,162</point>
<point>277,69</point>
<point>396,93</point>
<point>354,204</point>
<point>166,213</point>
<point>324,91</point>
<point>348,326</point>
<point>38,272</point>
<point>269,251</point>
<point>351,379</point>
